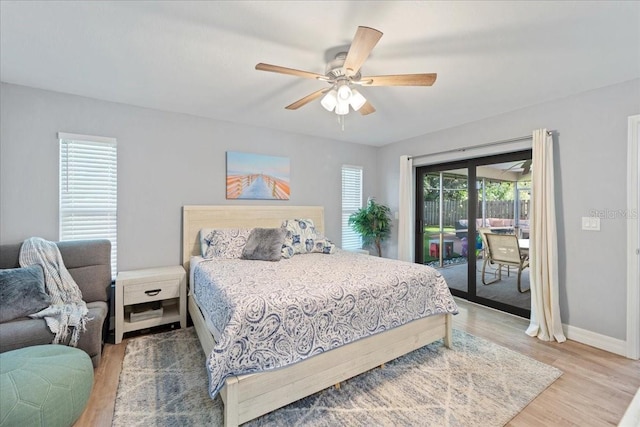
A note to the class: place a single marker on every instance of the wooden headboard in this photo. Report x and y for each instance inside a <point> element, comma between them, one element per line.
<point>195,218</point>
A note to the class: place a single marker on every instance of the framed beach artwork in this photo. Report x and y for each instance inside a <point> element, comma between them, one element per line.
<point>256,176</point>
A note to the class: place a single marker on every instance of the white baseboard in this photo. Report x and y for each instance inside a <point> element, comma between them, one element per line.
<point>631,417</point>
<point>603,342</point>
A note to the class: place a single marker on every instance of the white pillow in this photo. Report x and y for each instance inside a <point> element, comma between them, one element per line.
<point>324,246</point>
<point>301,237</point>
<point>223,242</point>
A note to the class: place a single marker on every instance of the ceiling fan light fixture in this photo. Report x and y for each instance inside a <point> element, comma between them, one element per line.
<point>344,92</point>
<point>342,107</point>
<point>357,100</point>
<point>330,100</point>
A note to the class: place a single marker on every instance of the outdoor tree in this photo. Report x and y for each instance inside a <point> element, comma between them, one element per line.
<point>454,186</point>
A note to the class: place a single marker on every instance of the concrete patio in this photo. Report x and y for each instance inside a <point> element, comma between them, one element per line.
<point>505,290</point>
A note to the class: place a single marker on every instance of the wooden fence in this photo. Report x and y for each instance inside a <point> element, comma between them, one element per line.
<point>455,210</point>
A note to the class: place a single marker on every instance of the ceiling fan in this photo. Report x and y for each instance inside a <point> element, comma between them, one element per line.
<point>343,74</point>
<point>524,164</point>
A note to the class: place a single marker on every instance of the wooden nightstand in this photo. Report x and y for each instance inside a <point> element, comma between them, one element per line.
<point>137,288</point>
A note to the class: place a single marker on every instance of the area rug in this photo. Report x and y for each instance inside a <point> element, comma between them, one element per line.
<point>476,383</point>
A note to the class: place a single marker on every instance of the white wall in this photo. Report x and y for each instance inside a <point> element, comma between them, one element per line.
<point>169,160</point>
<point>165,161</point>
<point>590,159</point>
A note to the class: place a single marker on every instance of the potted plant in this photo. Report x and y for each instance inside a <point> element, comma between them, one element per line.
<point>373,223</point>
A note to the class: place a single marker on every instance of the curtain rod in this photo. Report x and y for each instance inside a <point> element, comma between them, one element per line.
<point>488,144</point>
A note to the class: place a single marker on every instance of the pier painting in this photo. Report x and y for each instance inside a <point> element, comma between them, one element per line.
<point>256,176</point>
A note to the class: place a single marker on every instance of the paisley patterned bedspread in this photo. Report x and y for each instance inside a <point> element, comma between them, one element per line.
<point>266,315</point>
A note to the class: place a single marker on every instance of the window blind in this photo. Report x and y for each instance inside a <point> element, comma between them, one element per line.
<point>351,202</point>
<point>89,190</point>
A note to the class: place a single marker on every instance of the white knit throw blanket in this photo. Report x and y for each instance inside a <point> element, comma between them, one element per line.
<point>67,312</point>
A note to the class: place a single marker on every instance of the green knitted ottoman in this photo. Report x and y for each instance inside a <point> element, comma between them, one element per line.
<point>44,385</point>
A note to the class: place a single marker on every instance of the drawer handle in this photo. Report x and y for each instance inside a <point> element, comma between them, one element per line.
<point>153,292</point>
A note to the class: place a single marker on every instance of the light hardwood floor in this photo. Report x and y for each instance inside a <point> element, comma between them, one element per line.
<point>595,389</point>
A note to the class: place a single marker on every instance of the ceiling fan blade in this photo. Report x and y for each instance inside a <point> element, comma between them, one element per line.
<point>363,43</point>
<point>401,80</point>
<point>307,99</point>
<point>367,108</point>
<point>284,70</point>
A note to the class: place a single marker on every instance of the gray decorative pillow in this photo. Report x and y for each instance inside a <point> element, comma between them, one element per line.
<point>22,292</point>
<point>264,244</point>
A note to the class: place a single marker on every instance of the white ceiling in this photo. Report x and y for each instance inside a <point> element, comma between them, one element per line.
<point>199,57</point>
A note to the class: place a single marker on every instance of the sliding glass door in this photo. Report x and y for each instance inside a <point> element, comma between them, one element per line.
<point>457,204</point>
<point>442,205</point>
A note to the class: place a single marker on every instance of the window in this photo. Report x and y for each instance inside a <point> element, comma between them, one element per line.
<point>88,189</point>
<point>351,202</point>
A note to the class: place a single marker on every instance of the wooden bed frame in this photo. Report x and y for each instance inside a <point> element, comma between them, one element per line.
<point>247,397</point>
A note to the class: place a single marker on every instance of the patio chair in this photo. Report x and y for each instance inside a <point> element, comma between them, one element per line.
<point>503,250</point>
<point>482,231</point>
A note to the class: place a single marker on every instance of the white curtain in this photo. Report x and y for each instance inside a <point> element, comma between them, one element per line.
<point>543,253</point>
<point>405,210</point>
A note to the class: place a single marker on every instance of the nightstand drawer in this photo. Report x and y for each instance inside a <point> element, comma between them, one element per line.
<point>154,291</point>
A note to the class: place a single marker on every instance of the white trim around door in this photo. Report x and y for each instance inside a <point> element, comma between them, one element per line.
<point>633,239</point>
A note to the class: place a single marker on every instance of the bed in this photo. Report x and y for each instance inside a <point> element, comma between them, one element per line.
<point>247,396</point>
